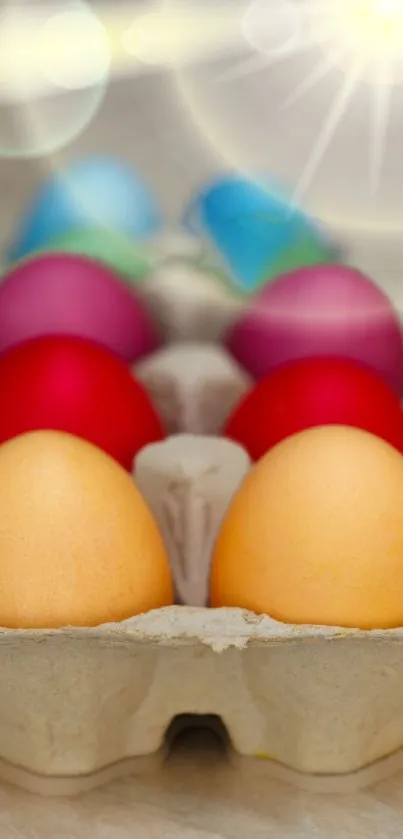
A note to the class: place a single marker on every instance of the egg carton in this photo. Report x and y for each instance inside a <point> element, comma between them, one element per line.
<point>319,707</point>
<point>189,301</point>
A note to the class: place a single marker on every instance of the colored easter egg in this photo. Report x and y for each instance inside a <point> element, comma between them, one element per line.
<point>74,385</point>
<point>58,294</point>
<point>121,254</point>
<point>93,192</point>
<point>314,535</point>
<point>78,544</point>
<point>312,392</point>
<point>324,310</point>
<point>252,227</point>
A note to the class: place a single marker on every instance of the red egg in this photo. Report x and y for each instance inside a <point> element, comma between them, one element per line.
<point>313,392</point>
<point>74,385</point>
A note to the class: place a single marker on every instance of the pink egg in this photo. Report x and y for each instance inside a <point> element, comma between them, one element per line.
<point>326,310</point>
<point>67,294</point>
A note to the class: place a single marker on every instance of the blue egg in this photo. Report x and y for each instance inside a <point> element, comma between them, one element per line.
<point>93,192</point>
<point>255,230</point>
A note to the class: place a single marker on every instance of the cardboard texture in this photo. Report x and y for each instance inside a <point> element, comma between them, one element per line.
<point>81,706</point>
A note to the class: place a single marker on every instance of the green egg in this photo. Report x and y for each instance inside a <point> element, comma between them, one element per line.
<point>124,256</point>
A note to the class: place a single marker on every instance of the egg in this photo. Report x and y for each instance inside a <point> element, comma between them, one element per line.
<point>78,544</point>
<point>251,226</point>
<point>313,392</point>
<point>68,294</point>
<point>122,255</point>
<point>92,192</point>
<point>314,534</point>
<point>74,385</point>
<point>324,310</point>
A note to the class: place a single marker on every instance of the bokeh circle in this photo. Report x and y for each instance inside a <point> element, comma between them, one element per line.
<point>54,65</point>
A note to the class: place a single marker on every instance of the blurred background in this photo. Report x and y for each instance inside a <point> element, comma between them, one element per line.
<point>182,90</point>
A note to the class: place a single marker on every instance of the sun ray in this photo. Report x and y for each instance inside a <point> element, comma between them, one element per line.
<point>257,63</point>
<point>381,100</point>
<point>334,116</point>
<point>247,67</point>
<point>318,73</point>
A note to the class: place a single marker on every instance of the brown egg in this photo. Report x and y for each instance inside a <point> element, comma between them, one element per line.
<point>78,544</point>
<point>315,533</point>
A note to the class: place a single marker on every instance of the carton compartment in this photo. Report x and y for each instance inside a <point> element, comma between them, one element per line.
<point>320,707</point>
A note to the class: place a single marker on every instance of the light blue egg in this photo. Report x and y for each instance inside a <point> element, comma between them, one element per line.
<point>93,192</point>
<point>252,227</point>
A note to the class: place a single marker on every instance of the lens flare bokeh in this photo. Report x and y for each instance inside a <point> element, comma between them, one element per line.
<point>315,99</point>
<point>54,64</point>
<point>307,91</point>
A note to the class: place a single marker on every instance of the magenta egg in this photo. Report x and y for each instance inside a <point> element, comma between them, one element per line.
<point>326,310</point>
<point>68,294</point>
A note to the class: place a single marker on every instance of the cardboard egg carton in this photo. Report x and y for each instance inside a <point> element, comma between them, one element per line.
<point>319,707</point>
<point>188,301</point>
<point>194,385</point>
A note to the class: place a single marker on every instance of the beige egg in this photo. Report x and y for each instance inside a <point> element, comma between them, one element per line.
<point>78,544</point>
<point>315,533</point>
